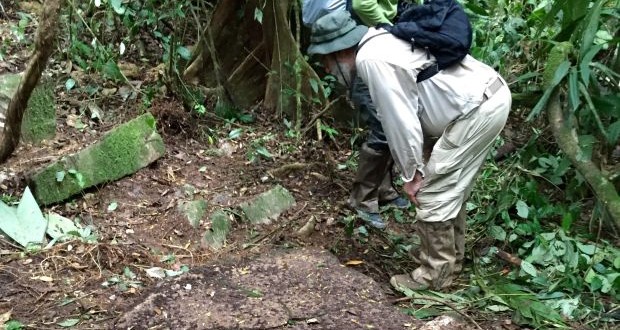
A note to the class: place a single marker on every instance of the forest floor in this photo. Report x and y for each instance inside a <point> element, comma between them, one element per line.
<point>90,284</point>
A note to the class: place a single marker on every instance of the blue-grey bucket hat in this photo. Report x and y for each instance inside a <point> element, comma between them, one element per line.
<point>334,32</point>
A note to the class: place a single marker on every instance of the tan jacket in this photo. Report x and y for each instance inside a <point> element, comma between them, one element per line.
<point>409,111</point>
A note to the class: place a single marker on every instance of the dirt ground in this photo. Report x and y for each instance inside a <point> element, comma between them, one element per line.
<point>90,285</point>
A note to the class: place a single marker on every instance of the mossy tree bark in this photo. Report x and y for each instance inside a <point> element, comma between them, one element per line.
<point>43,47</point>
<point>603,189</point>
<point>567,140</point>
<point>256,61</point>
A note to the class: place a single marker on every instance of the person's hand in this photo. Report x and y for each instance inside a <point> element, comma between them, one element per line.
<point>412,187</point>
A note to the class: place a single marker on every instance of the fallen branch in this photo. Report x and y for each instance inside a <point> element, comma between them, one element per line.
<point>452,307</point>
<point>287,168</point>
<point>509,258</point>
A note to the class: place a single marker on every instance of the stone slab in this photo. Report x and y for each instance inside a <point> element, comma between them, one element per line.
<point>268,206</point>
<point>122,151</point>
<point>193,211</point>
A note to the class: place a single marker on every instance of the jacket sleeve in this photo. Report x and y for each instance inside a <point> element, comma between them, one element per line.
<point>374,12</point>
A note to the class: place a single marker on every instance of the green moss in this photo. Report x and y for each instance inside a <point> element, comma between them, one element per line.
<point>122,151</point>
<point>193,211</point>
<point>558,54</point>
<point>220,227</point>
<point>268,205</point>
<point>39,121</point>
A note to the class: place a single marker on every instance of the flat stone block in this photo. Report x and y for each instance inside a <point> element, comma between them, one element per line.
<point>122,151</point>
<point>268,205</point>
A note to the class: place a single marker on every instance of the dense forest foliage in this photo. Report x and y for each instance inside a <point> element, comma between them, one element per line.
<point>547,200</point>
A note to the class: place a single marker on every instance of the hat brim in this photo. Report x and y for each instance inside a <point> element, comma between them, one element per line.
<point>348,40</point>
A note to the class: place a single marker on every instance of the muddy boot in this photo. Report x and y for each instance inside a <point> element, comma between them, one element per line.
<point>460,227</point>
<point>388,195</point>
<point>364,197</point>
<point>437,256</point>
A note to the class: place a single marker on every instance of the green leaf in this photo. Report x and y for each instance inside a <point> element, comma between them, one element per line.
<point>573,90</point>
<point>255,293</point>
<point>528,268</point>
<point>584,65</point>
<point>13,325</point>
<point>522,209</point>
<point>476,9</point>
<point>588,249</point>
<point>591,22</point>
<point>111,70</point>
<point>424,313</point>
<point>118,7</point>
<point>567,221</point>
<point>559,75</point>
<point>112,206</point>
<point>60,175</point>
<point>68,323</point>
<point>498,308</point>
<point>264,152</point>
<point>498,233</point>
<point>617,262</point>
<point>613,132</point>
<point>258,15</point>
<point>235,133</point>
<point>362,230</point>
<point>184,53</point>
<point>314,85</point>
<point>128,273</point>
<point>69,84</point>
<point>24,224</point>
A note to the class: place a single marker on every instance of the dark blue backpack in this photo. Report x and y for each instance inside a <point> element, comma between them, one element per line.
<point>441,27</point>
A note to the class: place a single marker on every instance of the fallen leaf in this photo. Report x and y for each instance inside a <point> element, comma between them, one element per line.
<point>69,323</point>
<point>354,262</point>
<point>156,272</point>
<point>43,278</point>
<point>308,228</point>
<point>4,317</point>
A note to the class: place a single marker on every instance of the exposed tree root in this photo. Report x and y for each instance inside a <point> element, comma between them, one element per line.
<point>43,47</point>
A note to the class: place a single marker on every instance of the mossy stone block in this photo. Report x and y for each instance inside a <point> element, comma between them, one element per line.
<point>220,227</point>
<point>122,151</point>
<point>268,205</point>
<point>193,211</point>
<point>39,121</point>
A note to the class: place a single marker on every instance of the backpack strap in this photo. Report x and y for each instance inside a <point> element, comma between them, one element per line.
<point>368,39</point>
<point>427,72</point>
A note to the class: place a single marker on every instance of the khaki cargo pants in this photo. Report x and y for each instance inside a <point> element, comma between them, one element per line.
<point>451,172</point>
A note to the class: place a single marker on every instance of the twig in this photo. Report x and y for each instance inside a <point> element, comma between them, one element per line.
<point>2,9</point>
<point>287,168</point>
<point>318,115</point>
<point>509,258</point>
<point>469,318</point>
<point>180,248</point>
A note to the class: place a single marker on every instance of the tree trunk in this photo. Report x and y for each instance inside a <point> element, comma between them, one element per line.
<point>261,62</point>
<point>43,47</point>
<point>603,189</point>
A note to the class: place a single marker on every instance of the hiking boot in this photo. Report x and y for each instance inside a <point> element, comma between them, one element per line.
<point>459,240</point>
<point>436,255</point>
<point>372,180</point>
<point>399,203</point>
<point>405,281</point>
<point>372,219</point>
